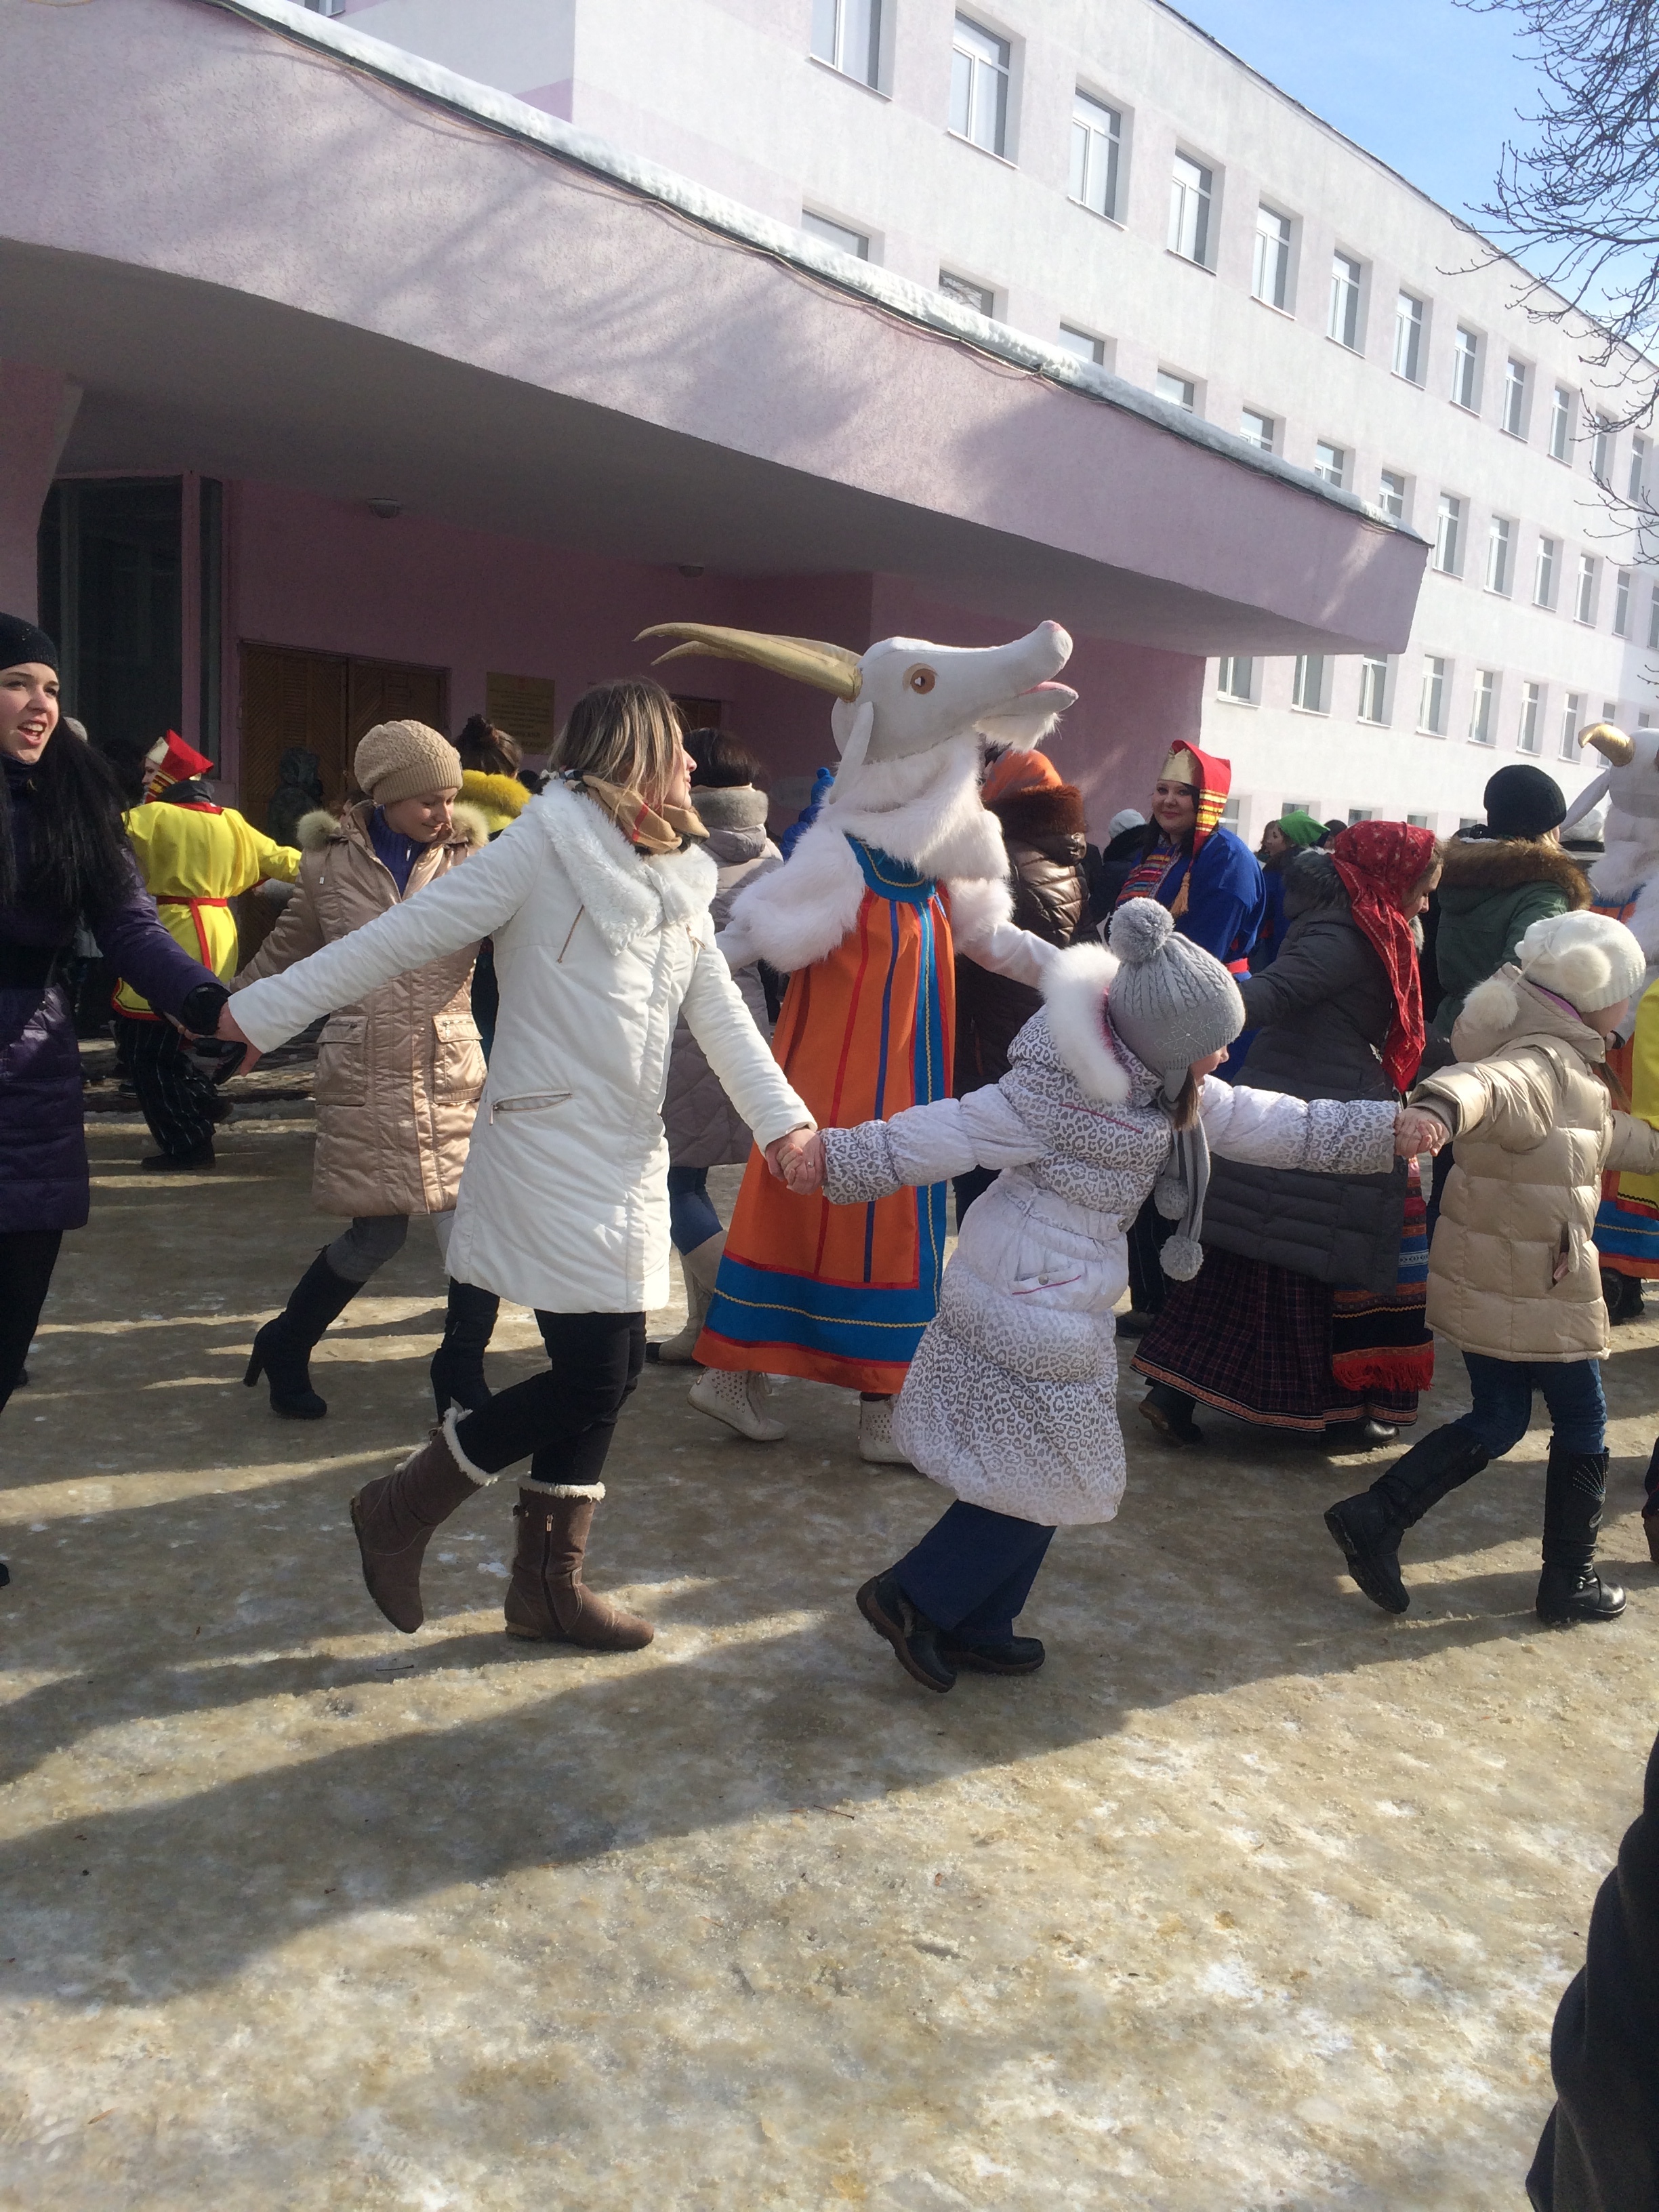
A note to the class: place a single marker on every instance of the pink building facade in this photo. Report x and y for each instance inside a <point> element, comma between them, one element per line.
<point>439,392</point>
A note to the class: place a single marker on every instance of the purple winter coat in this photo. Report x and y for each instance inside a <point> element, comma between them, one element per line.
<point>43,1147</point>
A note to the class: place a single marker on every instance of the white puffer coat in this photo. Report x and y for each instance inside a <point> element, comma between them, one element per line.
<point>563,1204</point>
<point>1011,1400</point>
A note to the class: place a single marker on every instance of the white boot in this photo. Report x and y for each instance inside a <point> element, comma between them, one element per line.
<point>739,1401</point>
<point>876,1442</point>
<point>699,1268</point>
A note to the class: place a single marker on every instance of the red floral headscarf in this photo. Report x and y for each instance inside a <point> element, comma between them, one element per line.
<point>1379,863</point>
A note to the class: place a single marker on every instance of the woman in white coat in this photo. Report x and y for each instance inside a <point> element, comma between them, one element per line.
<point>596,898</point>
<point>1011,1400</point>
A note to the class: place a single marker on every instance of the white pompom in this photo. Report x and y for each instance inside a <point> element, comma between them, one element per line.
<point>1181,1258</point>
<point>1170,1197</point>
<point>1139,929</point>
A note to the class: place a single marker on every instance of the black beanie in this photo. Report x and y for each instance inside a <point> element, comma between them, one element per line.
<point>1522,802</point>
<point>21,641</point>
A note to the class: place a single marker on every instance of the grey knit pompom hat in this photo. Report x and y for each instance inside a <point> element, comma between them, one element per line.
<point>1172,1003</point>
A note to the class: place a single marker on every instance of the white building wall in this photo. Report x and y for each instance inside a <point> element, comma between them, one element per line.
<point>727,91</point>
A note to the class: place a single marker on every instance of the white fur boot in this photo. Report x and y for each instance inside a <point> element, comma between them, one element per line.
<point>739,1401</point>
<point>876,1442</point>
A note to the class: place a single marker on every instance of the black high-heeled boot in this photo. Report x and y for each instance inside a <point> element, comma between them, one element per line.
<point>457,1370</point>
<point>281,1350</point>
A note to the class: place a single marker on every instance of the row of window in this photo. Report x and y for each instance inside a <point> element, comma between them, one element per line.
<point>1313,679</point>
<point>847,34</point>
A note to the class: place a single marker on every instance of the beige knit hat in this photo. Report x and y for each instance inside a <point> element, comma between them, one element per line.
<point>405,760</point>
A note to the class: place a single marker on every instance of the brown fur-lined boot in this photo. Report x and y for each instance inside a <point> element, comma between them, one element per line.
<point>395,1514</point>
<point>547,1601</point>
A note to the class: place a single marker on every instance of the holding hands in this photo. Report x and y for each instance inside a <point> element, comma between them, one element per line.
<point>784,1155</point>
<point>1416,1130</point>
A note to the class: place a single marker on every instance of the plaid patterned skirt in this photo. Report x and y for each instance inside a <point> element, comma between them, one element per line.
<point>1287,1353</point>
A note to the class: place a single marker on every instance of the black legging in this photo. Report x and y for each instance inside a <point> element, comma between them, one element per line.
<point>563,1420</point>
<point>27,1257</point>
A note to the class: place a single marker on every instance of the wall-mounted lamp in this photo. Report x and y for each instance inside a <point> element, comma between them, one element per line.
<point>690,567</point>
<point>388,510</point>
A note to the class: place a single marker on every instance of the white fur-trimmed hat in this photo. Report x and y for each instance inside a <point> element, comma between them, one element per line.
<point>1589,959</point>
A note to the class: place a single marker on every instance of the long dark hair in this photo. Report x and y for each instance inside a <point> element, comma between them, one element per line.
<point>79,860</point>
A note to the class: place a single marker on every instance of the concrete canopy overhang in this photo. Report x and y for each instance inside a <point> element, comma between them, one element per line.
<point>266,259</point>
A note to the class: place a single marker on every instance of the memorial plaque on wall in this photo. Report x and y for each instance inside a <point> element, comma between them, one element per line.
<point>523,707</point>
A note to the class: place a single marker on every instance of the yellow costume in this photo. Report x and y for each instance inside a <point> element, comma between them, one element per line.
<point>194,860</point>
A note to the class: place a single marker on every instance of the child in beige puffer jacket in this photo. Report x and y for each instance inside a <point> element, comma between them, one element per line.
<point>1513,1278</point>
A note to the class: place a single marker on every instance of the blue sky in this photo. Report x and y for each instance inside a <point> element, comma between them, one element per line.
<point>1430,88</point>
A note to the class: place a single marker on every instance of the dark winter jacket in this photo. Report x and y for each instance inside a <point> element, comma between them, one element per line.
<point>1599,2150</point>
<point>44,1181</point>
<point>1491,890</point>
<point>1043,831</point>
<point>1321,1013</point>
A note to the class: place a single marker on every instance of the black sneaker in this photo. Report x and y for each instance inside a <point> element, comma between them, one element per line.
<point>915,1639</point>
<point>1006,1655</point>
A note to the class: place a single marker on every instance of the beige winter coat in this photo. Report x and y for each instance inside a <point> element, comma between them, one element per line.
<point>399,1073</point>
<point>1513,1271</point>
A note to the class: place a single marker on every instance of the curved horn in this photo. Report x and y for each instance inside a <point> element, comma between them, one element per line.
<point>830,667</point>
<point>1612,744</point>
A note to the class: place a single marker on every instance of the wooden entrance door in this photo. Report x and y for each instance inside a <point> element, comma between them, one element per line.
<point>324,702</point>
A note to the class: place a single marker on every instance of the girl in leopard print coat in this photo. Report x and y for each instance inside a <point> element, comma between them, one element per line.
<point>1011,1401</point>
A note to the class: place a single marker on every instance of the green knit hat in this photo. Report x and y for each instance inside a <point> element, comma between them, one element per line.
<point>1299,828</point>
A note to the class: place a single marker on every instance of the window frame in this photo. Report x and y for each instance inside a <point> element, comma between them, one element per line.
<point>1564,405</point>
<point>1529,723</point>
<point>1518,390</point>
<point>1545,563</point>
<point>859,250</point>
<point>1113,211</point>
<point>954,285</point>
<point>838,12</point>
<point>1320,665</point>
<point>1573,720</point>
<point>1586,588</point>
<point>1385,477</point>
<point>1435,680</point>
<point>1449,532</point>
<point>1415,331</point>
<point>1466,387</point>
<point>1097,353</point>
<point>1334,471</point>
<point>1228,665</point>
<point>1270,423</point>
<point>1376,687</point>
<point>1623,600</point>
<point>1284,247</point>
<point>1347,295</point>
<point>1635,489</point>
<point>1483,700</point>
<point>1001,68</point>
<point>1205,197</point>
<point>1189,384</point>
<point>1500,555</point>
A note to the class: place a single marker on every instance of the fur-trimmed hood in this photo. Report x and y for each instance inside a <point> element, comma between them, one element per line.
<point>1477,867</point>
<point>1313,886</point>
<point>730,806</point>
<point>499,799</point>
<point>1077,1006</point>
<point>625,893</point>
<point>322,828</point>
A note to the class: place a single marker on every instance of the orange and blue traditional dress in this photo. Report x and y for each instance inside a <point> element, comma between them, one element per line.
<point>842,1293</point>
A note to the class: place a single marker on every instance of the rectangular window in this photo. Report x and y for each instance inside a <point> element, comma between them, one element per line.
<point>1653,620</point>
<point>1082,345</point>
<point>1514,397</point>
<point>1096,142</point>
<point>977,296</point>
<point>1391,495</point>
<point>1374,688</point>
<point>1191,190</point>
<point>1343,325</point>
<point>1448,535</point>
<point>1417,821</point>
<point>1602,455</point>
<point>1573,716</point>
<point>1637,488</point>
<point>1500,539</point>
<point>1179,391</point>
<point>1260,429</point>
<point>836,233</point>
<point>1432,702</point>
<point>1270,274</point>
<point>979,86</point>
<point>1561,425</point>
<point>1529,733</point>
<point>1308,686</point>
<point>1583,597</point>
<point>1237,678</point>
<point>1408,322</point>
<point>1483,708</point>
<point>1621,603</point>
<point>847,34</point>
<point>1465,370</point>
<point>1543,573</point>
<point>1331,462</point>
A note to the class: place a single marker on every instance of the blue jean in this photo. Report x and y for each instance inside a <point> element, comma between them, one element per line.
<point>973,1568</point>
<point>692,1219</point>
<point>1502,1390</point>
